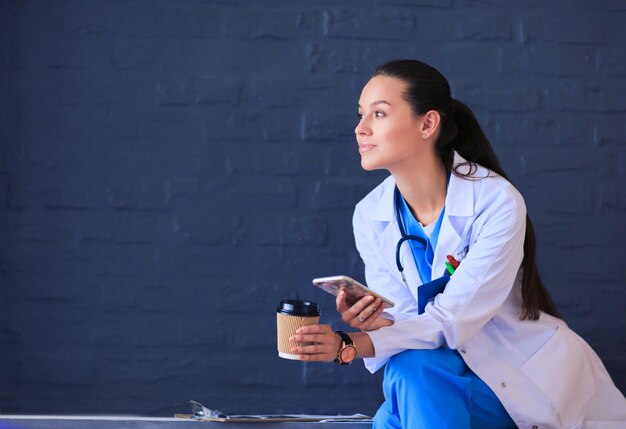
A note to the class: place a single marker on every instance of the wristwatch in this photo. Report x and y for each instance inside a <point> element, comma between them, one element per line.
<point>347,351</point>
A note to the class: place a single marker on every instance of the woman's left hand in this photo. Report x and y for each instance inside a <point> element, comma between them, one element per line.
<point>325,343</point>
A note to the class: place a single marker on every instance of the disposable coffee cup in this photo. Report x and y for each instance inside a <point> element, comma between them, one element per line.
<point>290,316</point>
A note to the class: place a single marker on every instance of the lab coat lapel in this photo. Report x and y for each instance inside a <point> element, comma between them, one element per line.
<point>453,235</point>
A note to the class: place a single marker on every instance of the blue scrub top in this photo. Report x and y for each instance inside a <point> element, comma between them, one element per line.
<point>422,254</point>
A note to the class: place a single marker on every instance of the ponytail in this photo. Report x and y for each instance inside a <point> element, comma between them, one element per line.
<point>468,139</point>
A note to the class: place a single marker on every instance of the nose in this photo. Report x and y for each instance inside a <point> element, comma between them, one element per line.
<point>362,128</point>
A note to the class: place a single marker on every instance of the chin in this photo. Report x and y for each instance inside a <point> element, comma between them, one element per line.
<point>370,165</point>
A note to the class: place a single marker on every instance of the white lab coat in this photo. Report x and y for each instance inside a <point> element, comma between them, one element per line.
<point>544,374</point>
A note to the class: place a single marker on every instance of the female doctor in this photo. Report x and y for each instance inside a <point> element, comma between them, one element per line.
<point>483,347</point>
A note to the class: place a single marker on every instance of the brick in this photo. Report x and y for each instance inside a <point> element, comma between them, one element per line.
<point>206,228</point>
<point>52,370</point>
<point>564,95</point>
<point>559,165</point>
<point>550,60</point>
<point>550,130</point>
<point>488,25</point>
<point>258,333</point>
<point>139,196</point>
<point>240,295</point>
<point>255,375</point>
<point>498,97</point>
<point>549,232</point>
<point>345,23</point>
<point>299,92</point>
<point>149,330</point>
<point>278,160</point>
<point>250,126</point>
<point>334,195</point>
<point>193,264</point>
<point>300,231</point>
<point>557,197</point>
<point>611,63</point>
<point>575,28</point>
<point>501,3</point>
<point>204,90</point>
<point>191,20</point>
<point>584,97</point>
<point>453,54</point>
<point>343,160</point>
<point>445,4</point>
<point>613,260</point>
<point>194,331</point>
<point>608,199</point>
<point>321,375</point>
<point>43,192</point>
<point>137,55</point>
<point>610,99</point>
<point>276,193</point>
<point>120,228</point>
<point>280,23</point>
<point>284,128</point>
<point>181,188</point>
<point>328,126</point>
<point>343,58</point>
<point>187,56</point>
<point>75,91</point>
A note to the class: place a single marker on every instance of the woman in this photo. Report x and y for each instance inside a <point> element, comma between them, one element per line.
<point>487,349</point>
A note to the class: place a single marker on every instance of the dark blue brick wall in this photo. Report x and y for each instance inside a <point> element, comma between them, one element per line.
<point>170,170</point>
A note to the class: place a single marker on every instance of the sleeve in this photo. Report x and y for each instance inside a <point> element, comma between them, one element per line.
<point>474,294</point>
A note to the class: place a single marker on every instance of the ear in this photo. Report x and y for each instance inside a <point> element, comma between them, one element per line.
<point>430,123</point>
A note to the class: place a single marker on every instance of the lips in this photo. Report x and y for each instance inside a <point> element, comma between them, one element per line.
<point>364,147</point>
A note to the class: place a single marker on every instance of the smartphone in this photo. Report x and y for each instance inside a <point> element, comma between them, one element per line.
<point>354,289</point>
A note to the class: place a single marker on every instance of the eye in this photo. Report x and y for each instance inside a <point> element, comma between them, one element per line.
<point>379,114</point>
<point>359,115</point>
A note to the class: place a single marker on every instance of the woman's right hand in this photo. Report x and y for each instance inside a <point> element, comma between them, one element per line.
<point>363,314</point>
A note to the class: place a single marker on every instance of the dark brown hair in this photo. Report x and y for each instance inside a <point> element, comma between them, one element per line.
<point>427,90</point>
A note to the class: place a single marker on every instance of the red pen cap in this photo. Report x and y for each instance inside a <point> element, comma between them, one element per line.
<point>455,264</point>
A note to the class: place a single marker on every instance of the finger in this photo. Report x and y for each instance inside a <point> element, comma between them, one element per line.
<point>366,317</point>
<point>361,304</point>
<point>370,309</point>
<point>370,320</point>
<point>357,308</point>
<point>314,329</point>
<point>311,338</point>
<point>341,301</point>
<point>312,349</point>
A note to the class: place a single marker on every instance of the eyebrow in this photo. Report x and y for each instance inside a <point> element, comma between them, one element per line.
<point>378,102</point>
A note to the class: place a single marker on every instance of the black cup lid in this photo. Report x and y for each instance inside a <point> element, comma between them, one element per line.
<point>297,307</point>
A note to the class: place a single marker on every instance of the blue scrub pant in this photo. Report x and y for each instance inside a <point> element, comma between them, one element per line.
<point>436,389</point>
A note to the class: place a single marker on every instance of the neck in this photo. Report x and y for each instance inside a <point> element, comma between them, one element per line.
<point>422,183</point>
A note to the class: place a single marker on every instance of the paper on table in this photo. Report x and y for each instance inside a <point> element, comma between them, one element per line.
<point>251,418</point>
<point>200,412</point>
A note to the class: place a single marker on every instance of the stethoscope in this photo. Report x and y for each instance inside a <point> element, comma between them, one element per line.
<point>408,237</point>
<point>404,237</point>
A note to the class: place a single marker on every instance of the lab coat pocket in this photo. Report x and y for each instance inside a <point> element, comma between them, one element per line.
<point>561,371</point>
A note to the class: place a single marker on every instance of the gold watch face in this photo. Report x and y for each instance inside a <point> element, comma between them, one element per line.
<point>348,354</point>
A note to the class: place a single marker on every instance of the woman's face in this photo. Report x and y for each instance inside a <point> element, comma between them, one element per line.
<point>389,133</point>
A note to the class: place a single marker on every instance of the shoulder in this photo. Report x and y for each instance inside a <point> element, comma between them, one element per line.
<point>373,198</point>
<point>495,195</point>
